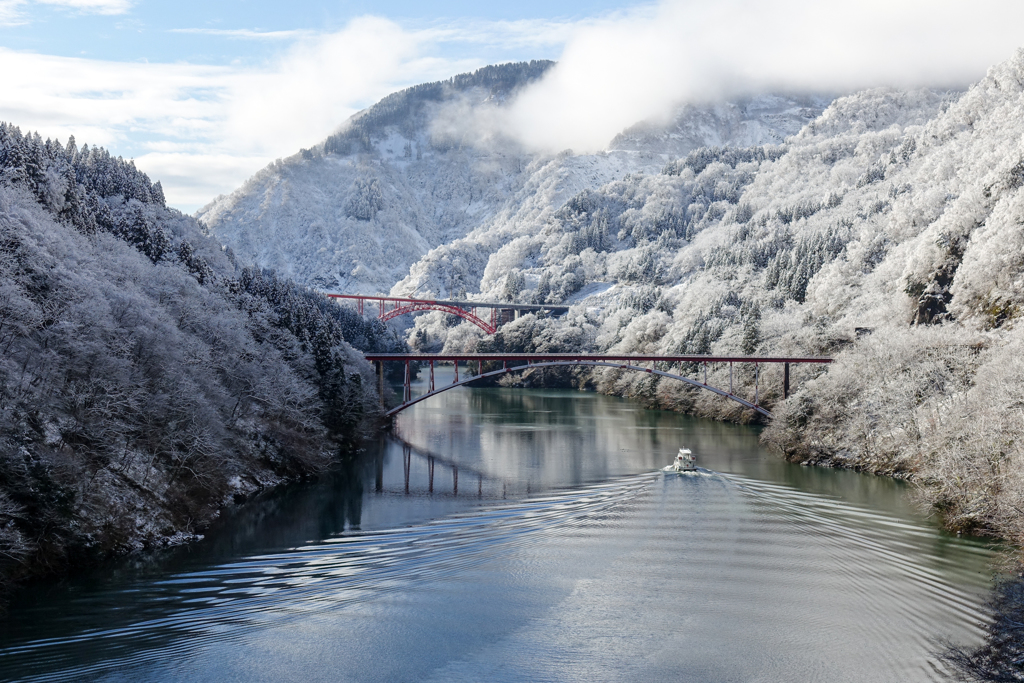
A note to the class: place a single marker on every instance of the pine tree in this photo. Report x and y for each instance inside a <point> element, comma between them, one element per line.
<point>543,289</point>
<point>514,283</point>
<point>751,314</point>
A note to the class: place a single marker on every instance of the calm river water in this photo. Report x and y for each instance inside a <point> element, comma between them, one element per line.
<point>521,535</point>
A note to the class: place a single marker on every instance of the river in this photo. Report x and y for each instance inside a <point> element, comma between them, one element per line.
<point>529,535</point>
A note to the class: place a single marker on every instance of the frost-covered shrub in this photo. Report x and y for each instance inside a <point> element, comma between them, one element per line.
<point>640,267</point>
<point>514,283</point>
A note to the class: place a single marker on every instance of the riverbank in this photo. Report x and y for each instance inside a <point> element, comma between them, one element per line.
<point>138,511</point>
<point>925,404</point>
<point>928,405</point>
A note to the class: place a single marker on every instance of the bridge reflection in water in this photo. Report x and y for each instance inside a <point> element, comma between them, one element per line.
<point>437,467</point>
<point>659,365</point>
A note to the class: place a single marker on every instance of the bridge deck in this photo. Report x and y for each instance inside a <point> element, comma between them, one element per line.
<point>549,357</point>
<point>460,304</point>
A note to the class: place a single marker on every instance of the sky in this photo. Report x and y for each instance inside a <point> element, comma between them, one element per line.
<point>203,94</point>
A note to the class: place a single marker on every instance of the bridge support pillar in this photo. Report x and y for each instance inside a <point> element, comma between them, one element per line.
<point>380,382</point>
<point>379,465</point>
<point>757,374</point>
<point>407,389</point>
<point>785,380</point>
<point>431,375</point>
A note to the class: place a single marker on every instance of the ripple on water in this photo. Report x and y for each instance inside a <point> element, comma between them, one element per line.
<point>650,577</point>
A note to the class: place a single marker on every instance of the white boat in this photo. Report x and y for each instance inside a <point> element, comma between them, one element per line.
<point>685,461</point>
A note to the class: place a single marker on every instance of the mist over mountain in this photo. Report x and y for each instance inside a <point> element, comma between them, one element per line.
<point>429,165</point>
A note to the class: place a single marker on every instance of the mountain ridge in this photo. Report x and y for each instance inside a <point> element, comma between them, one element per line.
<point>406,176</point>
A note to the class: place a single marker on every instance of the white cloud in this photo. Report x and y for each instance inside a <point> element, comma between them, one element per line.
<point>322,81</point>
<point>195,177</point>
<point>525,33</point>
<point>618,71</point>
<point>244,33</point>
<point>10,12</point>
<point>43,91</point>
<point>92,6</point>
<point>202,130</point>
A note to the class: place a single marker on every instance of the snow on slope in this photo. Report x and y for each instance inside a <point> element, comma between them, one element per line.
<point>889,233</point>
<point>644,148</point>
<point>355,212</point>
<point>748,122</point>
<point>300,216</point>
<point>411,175</point>
<point>738,216</point>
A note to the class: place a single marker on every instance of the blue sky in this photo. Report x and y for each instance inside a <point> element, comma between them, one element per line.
<point>164,82</point>
<point>187,30</point>
<point>204,94</point>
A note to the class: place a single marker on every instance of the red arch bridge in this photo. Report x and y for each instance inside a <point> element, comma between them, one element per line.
<point>388,307</point>
<point>514,362</point>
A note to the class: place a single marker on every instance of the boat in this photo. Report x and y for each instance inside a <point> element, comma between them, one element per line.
<point>685,461</point>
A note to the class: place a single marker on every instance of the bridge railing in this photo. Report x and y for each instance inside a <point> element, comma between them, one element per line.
<point>391,306</point>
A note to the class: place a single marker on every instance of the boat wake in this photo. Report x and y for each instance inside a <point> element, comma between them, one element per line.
<point>698,472</point>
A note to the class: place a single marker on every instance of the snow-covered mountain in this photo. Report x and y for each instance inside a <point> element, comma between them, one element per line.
<point>412,174</point>
<point>888,233</point>
<point>885,231</point>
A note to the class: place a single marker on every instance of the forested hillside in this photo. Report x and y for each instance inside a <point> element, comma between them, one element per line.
<point>146,378</point>
<point>427,166</point>
<point>887,233</point>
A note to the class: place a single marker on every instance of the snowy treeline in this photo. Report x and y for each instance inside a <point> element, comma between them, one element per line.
<point>145,379</point>
<point>407,109</point>
<point>887,233</point>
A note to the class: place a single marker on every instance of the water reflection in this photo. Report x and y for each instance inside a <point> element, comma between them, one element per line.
<point>529,535</point>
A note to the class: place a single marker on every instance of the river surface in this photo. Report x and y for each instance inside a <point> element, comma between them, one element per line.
<point>530,535</point>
